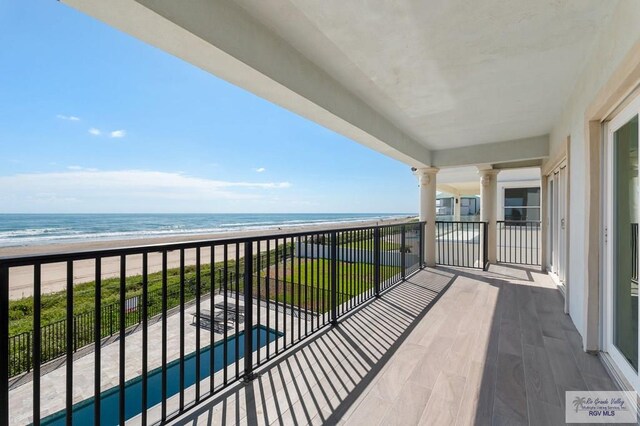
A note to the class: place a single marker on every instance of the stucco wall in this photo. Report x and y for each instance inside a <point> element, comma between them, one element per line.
<point>614,41</point>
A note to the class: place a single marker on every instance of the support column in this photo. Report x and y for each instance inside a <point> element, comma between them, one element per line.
<point>544,221</point>
<point>427,179</point>
<point>456,207</point>
<point>488,208</point>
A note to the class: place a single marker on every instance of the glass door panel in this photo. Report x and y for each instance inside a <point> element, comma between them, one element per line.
<point>625,259</point>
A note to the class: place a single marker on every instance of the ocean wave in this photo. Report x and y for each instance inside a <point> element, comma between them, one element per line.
<point>96,232</point>
<point>32,232</point>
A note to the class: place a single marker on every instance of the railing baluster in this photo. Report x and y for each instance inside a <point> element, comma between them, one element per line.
<point>181,316</point>
<point>4,346</point>
<point>145,335</point>
<point>98,338</point>
<point>212,331</point>
<point>376,261</point>
<point>225,310</point>
<point>37,342</point>
<point>248,312</point>
<point>164,336</point>
<point>198,291</point>
<point>123,291</point>
<point>69,344</point>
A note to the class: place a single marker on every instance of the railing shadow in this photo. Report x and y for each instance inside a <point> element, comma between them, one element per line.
<point>318,381</point>
<point>531,354</point>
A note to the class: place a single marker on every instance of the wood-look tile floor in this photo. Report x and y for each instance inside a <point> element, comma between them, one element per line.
<point>446,347</point>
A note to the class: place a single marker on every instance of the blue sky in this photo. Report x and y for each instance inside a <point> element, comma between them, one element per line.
<point>93,120</point>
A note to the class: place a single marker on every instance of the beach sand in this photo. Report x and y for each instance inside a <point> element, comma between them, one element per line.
<point>54,276</point>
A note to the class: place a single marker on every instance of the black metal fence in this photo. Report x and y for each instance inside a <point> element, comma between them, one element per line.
<point>53,335</point>
<point>462,244</point>
<point>519,242</point>
<point>271,292</point>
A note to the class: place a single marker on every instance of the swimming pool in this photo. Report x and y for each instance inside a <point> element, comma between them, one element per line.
<point>83,411</point>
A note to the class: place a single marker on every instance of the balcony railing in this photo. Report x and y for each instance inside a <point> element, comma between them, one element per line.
<point>249,300</point>
<point>519,242</point>
<point>462,244</point>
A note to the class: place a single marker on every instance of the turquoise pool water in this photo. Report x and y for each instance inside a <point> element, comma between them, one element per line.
<point>83,411</point>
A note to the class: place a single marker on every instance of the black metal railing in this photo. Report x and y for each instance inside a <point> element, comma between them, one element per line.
<point>229,307</point>
<point>463,244</point>
<point>54,334</point>
<point>519,242</point>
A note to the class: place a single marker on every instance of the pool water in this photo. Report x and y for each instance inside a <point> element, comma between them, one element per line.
<point>83,411</point>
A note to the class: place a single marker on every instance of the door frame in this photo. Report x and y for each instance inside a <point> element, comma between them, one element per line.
<point>557,237</point>
<point>619,120</point>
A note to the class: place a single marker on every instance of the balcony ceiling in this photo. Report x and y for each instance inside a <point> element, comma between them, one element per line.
<point>449,73</point>
<point>430,83</point>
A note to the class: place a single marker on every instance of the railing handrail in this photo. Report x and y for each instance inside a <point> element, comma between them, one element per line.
<point>460,221</point>
<point>45,258</point>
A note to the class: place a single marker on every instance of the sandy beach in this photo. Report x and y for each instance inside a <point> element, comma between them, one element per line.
<point>54,276</point>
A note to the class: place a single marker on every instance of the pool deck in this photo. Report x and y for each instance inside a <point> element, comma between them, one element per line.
<point>53,383</point>
<point>496,348</point>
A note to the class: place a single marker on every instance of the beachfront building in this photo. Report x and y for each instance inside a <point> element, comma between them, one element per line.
<point>456,338</point>
<point>452,207</point>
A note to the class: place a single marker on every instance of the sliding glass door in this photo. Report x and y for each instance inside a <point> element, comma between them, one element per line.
<point>621,240</point>
<point>557,237</point>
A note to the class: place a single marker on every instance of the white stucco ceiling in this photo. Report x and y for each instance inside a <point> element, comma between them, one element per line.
<point>449,73</point>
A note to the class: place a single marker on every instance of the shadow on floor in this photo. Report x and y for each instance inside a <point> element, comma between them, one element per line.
<point>497,348</point>
<point>318,381</point>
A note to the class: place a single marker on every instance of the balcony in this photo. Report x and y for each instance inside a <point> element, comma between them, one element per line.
<point>446,346</point>
<point>347,326</point>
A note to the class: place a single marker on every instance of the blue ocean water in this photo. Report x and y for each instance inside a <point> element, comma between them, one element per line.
<point>36,229</point>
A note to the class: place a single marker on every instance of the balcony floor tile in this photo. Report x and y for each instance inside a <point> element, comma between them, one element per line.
<point>448,346</point>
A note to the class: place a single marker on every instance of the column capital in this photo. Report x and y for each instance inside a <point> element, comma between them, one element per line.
<point>425,174</point>
<point>487,176</point>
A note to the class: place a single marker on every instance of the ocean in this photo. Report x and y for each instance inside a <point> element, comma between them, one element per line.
<point>37,229</point>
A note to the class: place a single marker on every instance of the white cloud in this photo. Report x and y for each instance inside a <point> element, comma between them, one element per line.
<point>89,190</point>
<point>68,117</point>
<point>77,168</point>
<point>118,134</point>
<point>260,169</point>
<point>95,132</point>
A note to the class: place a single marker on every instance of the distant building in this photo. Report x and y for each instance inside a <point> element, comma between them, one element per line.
<point>446,207</point>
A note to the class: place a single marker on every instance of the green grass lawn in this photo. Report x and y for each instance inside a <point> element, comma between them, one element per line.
<point>307,283</point>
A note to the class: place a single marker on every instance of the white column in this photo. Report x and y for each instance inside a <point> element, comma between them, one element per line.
<point>456,207</point>
<point>427,179</point>
<point>544,221</point>
<point>488,208</point>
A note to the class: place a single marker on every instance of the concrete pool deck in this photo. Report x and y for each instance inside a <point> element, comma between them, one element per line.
<point>53,383</point>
